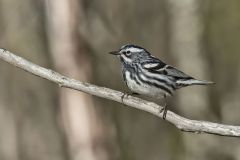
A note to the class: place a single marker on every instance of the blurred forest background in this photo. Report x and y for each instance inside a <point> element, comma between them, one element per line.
<point>40,121</point>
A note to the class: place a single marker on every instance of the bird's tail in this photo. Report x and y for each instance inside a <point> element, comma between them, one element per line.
<point>194,82</point>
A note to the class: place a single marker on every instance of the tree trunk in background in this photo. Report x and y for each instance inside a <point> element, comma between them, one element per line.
<point>221,42</point>
<point>8,138</point>
<point>28,126</point>
<point>82,125</point>
<point>185,45</point>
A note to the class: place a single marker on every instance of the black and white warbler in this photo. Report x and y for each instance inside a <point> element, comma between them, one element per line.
<point>147,75</point>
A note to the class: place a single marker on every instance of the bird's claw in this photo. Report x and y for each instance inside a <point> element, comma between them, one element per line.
<point>126,94</point>
<point>123,96</point>
<point>164,110</point>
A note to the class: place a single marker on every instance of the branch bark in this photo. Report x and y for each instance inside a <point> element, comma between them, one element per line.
<point>181,123</point>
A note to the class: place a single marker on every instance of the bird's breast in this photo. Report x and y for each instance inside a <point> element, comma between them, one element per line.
<point>135,84</point>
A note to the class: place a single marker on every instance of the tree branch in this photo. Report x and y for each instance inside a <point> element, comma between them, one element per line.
<point>181,123</point>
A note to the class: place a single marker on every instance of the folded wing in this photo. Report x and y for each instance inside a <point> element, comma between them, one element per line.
<point>157,66</point>
<point>180,78</point>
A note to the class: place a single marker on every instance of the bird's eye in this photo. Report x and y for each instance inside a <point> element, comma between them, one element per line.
<point>128,53</point>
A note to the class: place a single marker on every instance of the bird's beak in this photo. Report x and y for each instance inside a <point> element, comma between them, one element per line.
<point>114,53</point>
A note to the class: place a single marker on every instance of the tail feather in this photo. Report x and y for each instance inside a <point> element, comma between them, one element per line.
<point>194,82</point>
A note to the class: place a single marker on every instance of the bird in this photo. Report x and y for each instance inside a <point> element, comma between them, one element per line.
<point>147,75</point>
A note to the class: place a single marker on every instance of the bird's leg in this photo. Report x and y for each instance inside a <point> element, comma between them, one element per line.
<point>126,94</point>
<point>164,109</point>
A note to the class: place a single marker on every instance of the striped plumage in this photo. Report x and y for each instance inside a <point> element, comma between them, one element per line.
<point>147,75</point>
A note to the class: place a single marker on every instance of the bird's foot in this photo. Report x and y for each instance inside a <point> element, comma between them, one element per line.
<point>164,110</point>
<point>126,94</point>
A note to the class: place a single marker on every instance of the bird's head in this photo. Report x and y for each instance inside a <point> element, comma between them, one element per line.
<point>131,53</point>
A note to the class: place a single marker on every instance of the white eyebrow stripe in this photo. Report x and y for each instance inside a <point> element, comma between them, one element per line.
<point>151,65</point>
<point>134,49</point>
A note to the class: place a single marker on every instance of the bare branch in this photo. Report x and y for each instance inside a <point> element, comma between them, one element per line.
<point>181,123</point>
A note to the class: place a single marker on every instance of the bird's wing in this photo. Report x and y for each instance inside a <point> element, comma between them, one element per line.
<point>153,63</point>
<point>157,66</point>
<point>177,74</point>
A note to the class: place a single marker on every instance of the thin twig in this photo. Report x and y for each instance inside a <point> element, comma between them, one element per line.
<point>181,123</point>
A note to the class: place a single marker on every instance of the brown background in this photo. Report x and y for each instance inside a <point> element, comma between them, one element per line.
<point>40,121</point>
